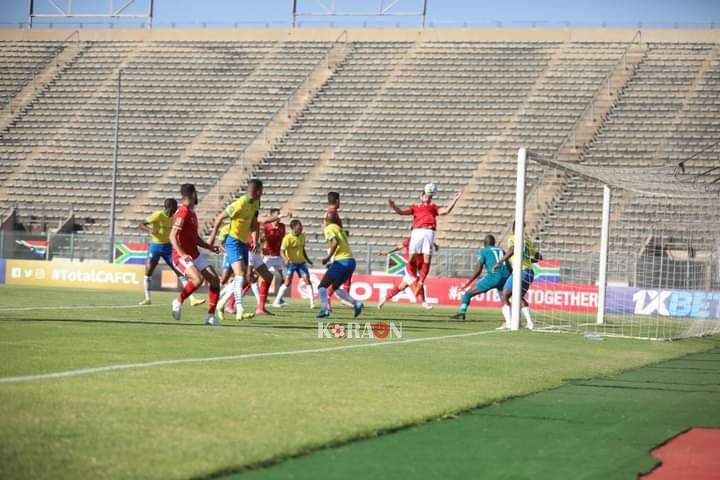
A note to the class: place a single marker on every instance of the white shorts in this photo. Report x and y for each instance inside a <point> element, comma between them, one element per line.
<point>184,263</point>
<point>255,260</point>
<point>275,263</point>
<point>421,241</point>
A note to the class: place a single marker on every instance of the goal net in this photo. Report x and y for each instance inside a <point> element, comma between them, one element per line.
<point>626,252</point>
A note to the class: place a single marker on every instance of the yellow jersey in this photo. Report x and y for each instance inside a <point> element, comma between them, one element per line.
<point>529,252</point>
<point>223,233</point>
<point>161,225</point>
<point>293,247</point>
<point>242,212</point>
<point>335,232</point>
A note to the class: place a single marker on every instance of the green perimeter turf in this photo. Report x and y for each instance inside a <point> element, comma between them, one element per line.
<point>191,420</point>
<point>586,429</point>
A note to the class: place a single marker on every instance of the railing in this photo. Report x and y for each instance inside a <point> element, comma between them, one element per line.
<point>33,83</point>
<point>606,83</point>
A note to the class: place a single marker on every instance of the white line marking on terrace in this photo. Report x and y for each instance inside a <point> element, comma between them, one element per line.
<point>160,363</point>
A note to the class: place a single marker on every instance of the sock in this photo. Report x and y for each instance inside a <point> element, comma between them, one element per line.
<point>506,315</point>
<point>424,272</point>
<point>528,319</point>
<point>226,293</point>
<point>264,288</point>
<point>420,294</point>
<point>246,288</point>
<point>330,291</point>
<point>186,291</point>
<point>230,305</point>
<point>281,292</point>
<point>238,290</point>
<point>395,290</point>
<point>323,295</point>
<point>256,292</point>
<point>465,302</point>
<point>411,268</point>
<point>343,295</point>
<point>213,295</point>
<point>183,281</point>
<point>146,284</point>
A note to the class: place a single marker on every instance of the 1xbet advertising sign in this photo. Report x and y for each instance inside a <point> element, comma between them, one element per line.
<point>667,303</point>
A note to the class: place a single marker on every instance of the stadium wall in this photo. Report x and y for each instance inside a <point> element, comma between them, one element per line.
<point>368,35</point>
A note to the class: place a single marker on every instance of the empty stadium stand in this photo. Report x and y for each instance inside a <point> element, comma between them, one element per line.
<point>372,119</point>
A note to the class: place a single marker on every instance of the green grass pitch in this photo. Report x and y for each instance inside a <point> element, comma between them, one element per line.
<point>198,419</point>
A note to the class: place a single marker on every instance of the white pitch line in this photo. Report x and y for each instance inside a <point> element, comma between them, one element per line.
<point>159,363</point>
<point>78,307</point>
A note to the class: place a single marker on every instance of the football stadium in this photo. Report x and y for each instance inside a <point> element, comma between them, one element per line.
<point>277,239</point>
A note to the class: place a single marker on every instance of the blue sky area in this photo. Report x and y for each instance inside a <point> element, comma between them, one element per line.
<point>450,13</point>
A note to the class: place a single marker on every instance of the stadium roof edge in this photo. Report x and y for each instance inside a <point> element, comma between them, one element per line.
<point>368,34</point>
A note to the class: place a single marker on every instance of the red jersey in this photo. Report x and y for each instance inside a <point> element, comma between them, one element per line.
<point>425,215</point>
<point>186,220</point>
<point>273,238</point>
<point>333,209</point>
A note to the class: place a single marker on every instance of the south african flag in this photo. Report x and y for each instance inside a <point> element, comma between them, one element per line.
<point>395,264</point>
<point>130,253</point>
<point>547,271</point>
<point>38,247</point>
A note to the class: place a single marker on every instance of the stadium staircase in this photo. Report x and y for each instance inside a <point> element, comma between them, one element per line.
<point>549,186</point>
<point>232,182</point>
<point>311,190</point>
<point>668,110</point>
<point>23,100</point>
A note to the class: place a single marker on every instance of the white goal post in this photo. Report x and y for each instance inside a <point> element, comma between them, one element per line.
<point>637,248</point>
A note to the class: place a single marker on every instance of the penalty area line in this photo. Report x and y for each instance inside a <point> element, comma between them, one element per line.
<point>160,363</point>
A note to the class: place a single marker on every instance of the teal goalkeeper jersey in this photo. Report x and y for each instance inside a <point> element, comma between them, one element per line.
<point>490,256</point>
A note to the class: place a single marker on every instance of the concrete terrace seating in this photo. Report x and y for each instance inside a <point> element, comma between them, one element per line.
<point>657,122</point>
<point>19,63</point>
<point>392,116</point>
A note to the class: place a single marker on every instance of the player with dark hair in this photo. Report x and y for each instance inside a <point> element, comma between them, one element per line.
<point>530,255</point>
<point>296,260</point>
<point>341,268</point>
<point>158,224</point>
<point>273,234</point>
<point>244,222</point>
<point>424,225</point>
<point>333,208</point>
<point>488,257</point>
<point>186,256</point>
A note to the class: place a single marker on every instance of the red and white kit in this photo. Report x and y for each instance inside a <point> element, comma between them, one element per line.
<point>424,225</point>
<point>186,221</point>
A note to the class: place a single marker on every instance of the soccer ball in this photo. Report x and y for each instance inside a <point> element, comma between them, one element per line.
<point>429,188</point>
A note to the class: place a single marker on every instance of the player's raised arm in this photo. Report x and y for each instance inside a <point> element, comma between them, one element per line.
<point>392,250</point>
<point>398,210</point>
<point>447,210</point>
